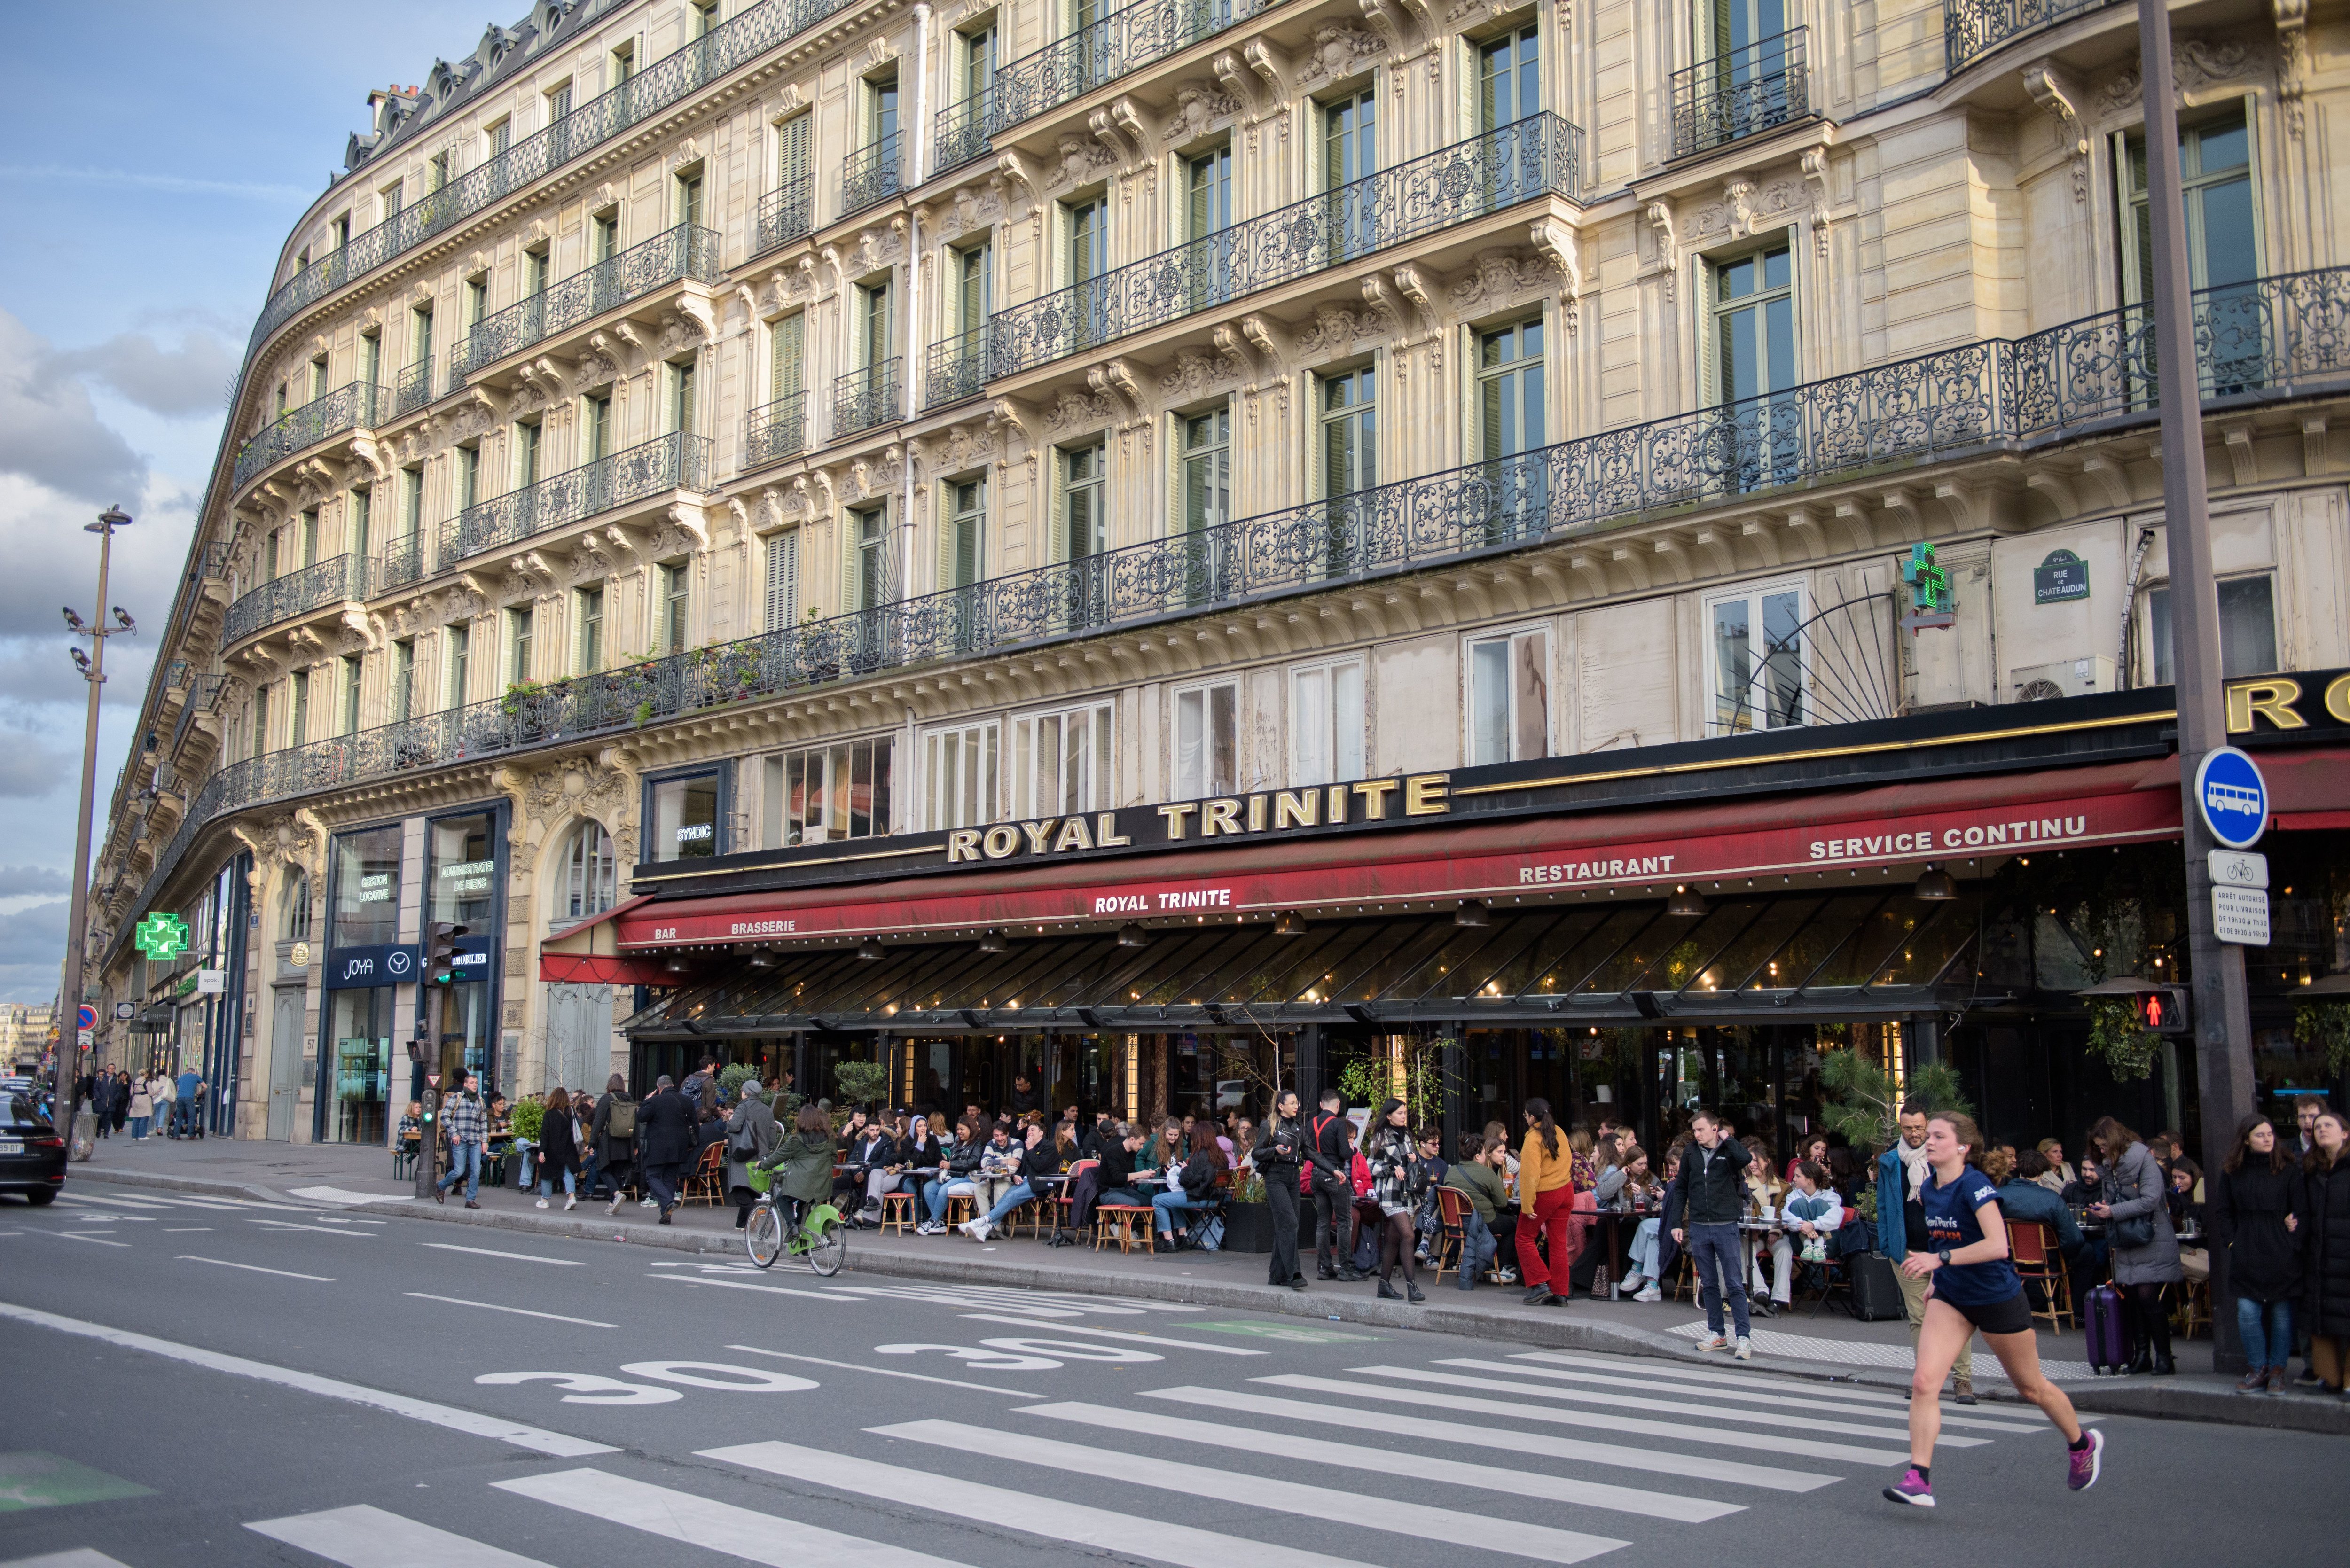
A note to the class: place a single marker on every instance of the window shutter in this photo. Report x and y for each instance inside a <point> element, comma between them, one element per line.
<point>787,364</point>
<point>783,579</point>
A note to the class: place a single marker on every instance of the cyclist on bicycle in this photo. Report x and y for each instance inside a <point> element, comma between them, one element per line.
<point>803,1166</point>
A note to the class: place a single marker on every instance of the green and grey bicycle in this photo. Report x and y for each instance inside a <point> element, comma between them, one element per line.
<point>820,1236</point>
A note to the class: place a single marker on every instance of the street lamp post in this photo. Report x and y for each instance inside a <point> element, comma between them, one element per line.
<point>93,670</point>
<point>2222,1012</point>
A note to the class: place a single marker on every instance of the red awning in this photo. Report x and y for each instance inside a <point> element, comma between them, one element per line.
<point>1944,820</point>
<point>588,953</point>
<point>2308,789</point>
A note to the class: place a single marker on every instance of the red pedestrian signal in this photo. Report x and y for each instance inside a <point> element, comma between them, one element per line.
<point>2163,1010</point>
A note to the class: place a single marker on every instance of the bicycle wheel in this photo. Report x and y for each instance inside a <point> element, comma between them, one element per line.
<point>763,1238</point>
<point>828,1249</point>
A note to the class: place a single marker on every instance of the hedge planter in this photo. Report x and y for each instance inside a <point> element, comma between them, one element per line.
<point>1248,1227</point>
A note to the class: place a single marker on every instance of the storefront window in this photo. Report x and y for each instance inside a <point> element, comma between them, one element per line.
<point>685,817</point>
<point>464,870</point>
<point>367,889</point>
<point>357,1065</point>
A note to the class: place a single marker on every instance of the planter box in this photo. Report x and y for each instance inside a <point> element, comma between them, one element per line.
<point>1248,1227</point>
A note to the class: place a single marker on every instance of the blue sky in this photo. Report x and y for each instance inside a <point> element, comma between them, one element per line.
<point>152,158</point>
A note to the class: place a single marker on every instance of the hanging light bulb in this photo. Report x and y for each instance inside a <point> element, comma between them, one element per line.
<point>1132,935</point>
<point>992,940</point>
<point>1289,924</point>
<point>870,948</point>
<point>1935,885</point>
<point>1471,912</point>
<point>1686,902</point>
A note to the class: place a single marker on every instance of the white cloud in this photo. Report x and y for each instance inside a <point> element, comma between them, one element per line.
<point>49,431</point>
<point>185,382</point>
<point>143,180</point>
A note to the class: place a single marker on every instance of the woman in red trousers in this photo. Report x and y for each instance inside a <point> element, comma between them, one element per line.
<point>1545,1207</point>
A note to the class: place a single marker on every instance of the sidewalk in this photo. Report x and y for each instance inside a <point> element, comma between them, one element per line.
<point>1829,1346</point>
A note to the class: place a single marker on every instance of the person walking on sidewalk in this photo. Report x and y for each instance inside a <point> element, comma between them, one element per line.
<point>2135,1203</point>
<point>665,1134</point>
<point>160,1090</point>
<point>2326,1258</point>
<point>1334,1189</point>
<point>185,1092</point>
<point>1545,1207</point>
<point>142,1108</point>
<point>1901,1173</point>
<point>1278,1154</point>
<point>1703,1217</point>
<point>559,1150</point>
<point>1969,1284</point>
<point>612,1132</point>
<point>752,1134</point>
<point>465,1121</point>
<point>2255,1205</point>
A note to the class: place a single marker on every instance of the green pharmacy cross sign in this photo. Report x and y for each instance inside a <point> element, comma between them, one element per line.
<point>161,935</point>
<point>1929,591</point>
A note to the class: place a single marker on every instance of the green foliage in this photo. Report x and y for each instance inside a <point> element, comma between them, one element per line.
<point>519,695</point>
<point>1367,1080</point>
<point>1249,1188</point>
<point>2114,1036</point>
<point>860,1082</point>
<point>1863,1105</point>
<point>528,1116</point>
<point>2326,1026</point>
<point>731,1079</point>
<point>644,713</point>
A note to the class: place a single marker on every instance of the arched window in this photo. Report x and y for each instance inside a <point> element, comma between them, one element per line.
<point>293,908</point>
<point>590,876</point>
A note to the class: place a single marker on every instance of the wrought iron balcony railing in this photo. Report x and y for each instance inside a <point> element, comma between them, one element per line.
<point>341,580</point>
<point>684,251</point>
<point>412,390</point>
<point>1972,29</point>
<point>786,213</point>
<point>963,131</point>
<point>678,461</point>
<point>1536,157</point>
<point>734,42</point>
<point>2274,339</point>
<point>404,561</point>
<point>1744,93</point>
<point>864,398</point>
<point>957,369</point>
<point>775,431</point>
<point>870,177</point>
<point>1125,40</point>
<point>336,413</point>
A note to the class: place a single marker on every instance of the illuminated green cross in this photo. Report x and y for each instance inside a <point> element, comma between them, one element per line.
<point>161,935</point>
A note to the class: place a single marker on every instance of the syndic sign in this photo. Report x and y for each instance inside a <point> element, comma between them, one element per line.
<point>400,963</point>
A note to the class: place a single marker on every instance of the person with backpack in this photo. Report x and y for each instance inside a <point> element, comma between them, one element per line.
<point>2255,1205</point>
<point>1332,1175</point>
<point>1278,1154</point>
<point>613,1132</point>
<point>1969,1285</point>
<point>1398,1180</point>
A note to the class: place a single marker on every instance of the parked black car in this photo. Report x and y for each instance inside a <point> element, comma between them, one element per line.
<point>32,1152</point>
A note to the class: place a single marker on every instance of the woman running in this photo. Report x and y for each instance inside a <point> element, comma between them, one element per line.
<point>1971,1285</point>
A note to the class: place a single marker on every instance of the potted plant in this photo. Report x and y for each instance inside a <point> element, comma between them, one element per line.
<point>1248,1218</point>
<point>860,1082</point>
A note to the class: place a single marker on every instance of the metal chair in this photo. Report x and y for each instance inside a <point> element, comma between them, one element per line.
<point>1451,1241</point>
<point>2039,1261</point>
<point>707,1182</point>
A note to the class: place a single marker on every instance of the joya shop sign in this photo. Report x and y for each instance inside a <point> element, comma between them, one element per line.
<point>1271,812</point>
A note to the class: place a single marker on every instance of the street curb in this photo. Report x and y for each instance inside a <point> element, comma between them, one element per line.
<point>2116,1396</point>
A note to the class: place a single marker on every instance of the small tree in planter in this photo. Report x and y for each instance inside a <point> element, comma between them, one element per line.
<point>860,1082</point>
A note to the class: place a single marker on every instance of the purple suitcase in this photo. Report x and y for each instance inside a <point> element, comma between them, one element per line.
<point>2108,1330</point>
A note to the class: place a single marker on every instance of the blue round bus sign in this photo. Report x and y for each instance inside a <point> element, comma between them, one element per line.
<point>2232,797</point>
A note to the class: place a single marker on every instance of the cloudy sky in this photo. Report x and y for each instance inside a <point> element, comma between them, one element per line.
<point>150,169</point>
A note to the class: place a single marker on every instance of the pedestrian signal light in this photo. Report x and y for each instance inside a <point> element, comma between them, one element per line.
<point>2163,1010</point>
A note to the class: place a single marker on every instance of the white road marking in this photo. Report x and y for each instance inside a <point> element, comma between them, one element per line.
<point>745,1285</point>
<point>80,1557</point>
<point>1109,1334</point>
<point>1122,1533</point>
<point>1382,1462</point>
<point>1721,1411</point>
<point>364,1537</point>
<point>469,1421</point>
<point>518,1312</point>
<point>1541,1543</point>
<point>344,1194</point>
<point>518,1257</point>
<point>1899,1413</point>
<point>80,1236</point>
<point>290,1225</point>
<point>187,1230</point>
<point>885,1372</point>
<point>715,1526</point>
<point>254,1269</point>
<point>114,1202</point>
<point>1848,1393</point>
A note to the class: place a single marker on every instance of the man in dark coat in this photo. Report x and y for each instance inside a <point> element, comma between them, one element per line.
<point>665,1128</point>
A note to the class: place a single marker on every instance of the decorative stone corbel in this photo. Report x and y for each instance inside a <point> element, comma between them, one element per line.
<point>1242,84</point>
<point>1270,69</point>
<point>1557,242</point>
<point>1816,176</point>
<point>1736,193</point>
<point>1669,246</point>
<point>1115,381</point>
<point>1012,173</point>
<point>1411,283</point>
<point>2053,91</point>
<point>2292,60</point>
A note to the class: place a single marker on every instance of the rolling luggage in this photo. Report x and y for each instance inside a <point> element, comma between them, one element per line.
<point>2107,1330</point>
<point>1875,1291</point>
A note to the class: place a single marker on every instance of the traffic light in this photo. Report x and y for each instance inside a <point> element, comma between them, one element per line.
<point>440,954</point>
<point>2163,1010</point>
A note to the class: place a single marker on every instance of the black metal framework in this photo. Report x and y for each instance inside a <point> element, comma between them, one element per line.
<point>1532,159</point>
<point>343,579</point>
<point>678,461</point>
<point>775,431</point>
<point>1744,93</point>
<point>683,252</point>
<point>2275,339</point>
<point>871,175</point>
<point>957,369</point>
<point>1125,40</point>
<point>1972,29</point>
<point>413,389</point>
<point>963,131</point>
<point>864,398</point>
<point>338,412</point>
<point>403,562</point>
<point>1840,665</point>
<point>786,213</point>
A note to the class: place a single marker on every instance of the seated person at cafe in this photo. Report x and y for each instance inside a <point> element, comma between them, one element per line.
<point>2090,1186</point>
<point>1645,1259</point>
<point>1811,1213</point>
<point>411,1127</point>
<point>1473,1176</point>
<point>999,1165</point>
<point>2021,1196</point>
<point>1111,1179</point>
<point>950,1179</point>
<point>1039,1158</point>
<point>872,1153</point>
<point>1190,1182</point>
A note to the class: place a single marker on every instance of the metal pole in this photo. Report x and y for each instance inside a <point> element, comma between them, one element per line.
<point>77,909</point>
<point>2222,1015</point>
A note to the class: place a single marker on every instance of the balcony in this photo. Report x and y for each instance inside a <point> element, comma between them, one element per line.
<point>2272,340</point>
<point>786,213</point>
<point>678,461</point>
<point>684,251</point>
<point>412,390</point>
<point>865,399</point>
<point>776,431</point>
<point>1973,28</point>
<point>1123,41</point>
<point>957,369</point>
<point>342,580</point>
<point>336,413</point>
<point>404,561</point>
<point>1740,94</point>
<point>963,130</point>
<point>202,698</point>
<point>870,177</point>
<point>1533,158</point>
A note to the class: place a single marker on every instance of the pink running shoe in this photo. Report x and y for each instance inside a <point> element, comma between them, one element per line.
<point>1912,1490</point>
<point>2082,1464</point>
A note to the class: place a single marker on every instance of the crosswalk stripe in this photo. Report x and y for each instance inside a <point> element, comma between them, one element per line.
<point>704,1521</point>
<point>1111,1334</point>
<point>1382,1461</point>
<point>111,1202</point>
<point>1126,1534</point>
<point>1388,1424</point>
<point>1541,1542</point>
<point>1888,1433</point>
<point>366,1537</point>
<point>80,1236</point>
<point>1679,1431</point>
<point>80,1557</point>
<point>1897,1411</point>
<point>321,1230</point>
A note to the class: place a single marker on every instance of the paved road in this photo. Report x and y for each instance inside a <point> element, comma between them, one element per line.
<point>196,1381</point>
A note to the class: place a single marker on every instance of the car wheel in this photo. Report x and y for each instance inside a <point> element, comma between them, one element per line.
<point>41,1194</point>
